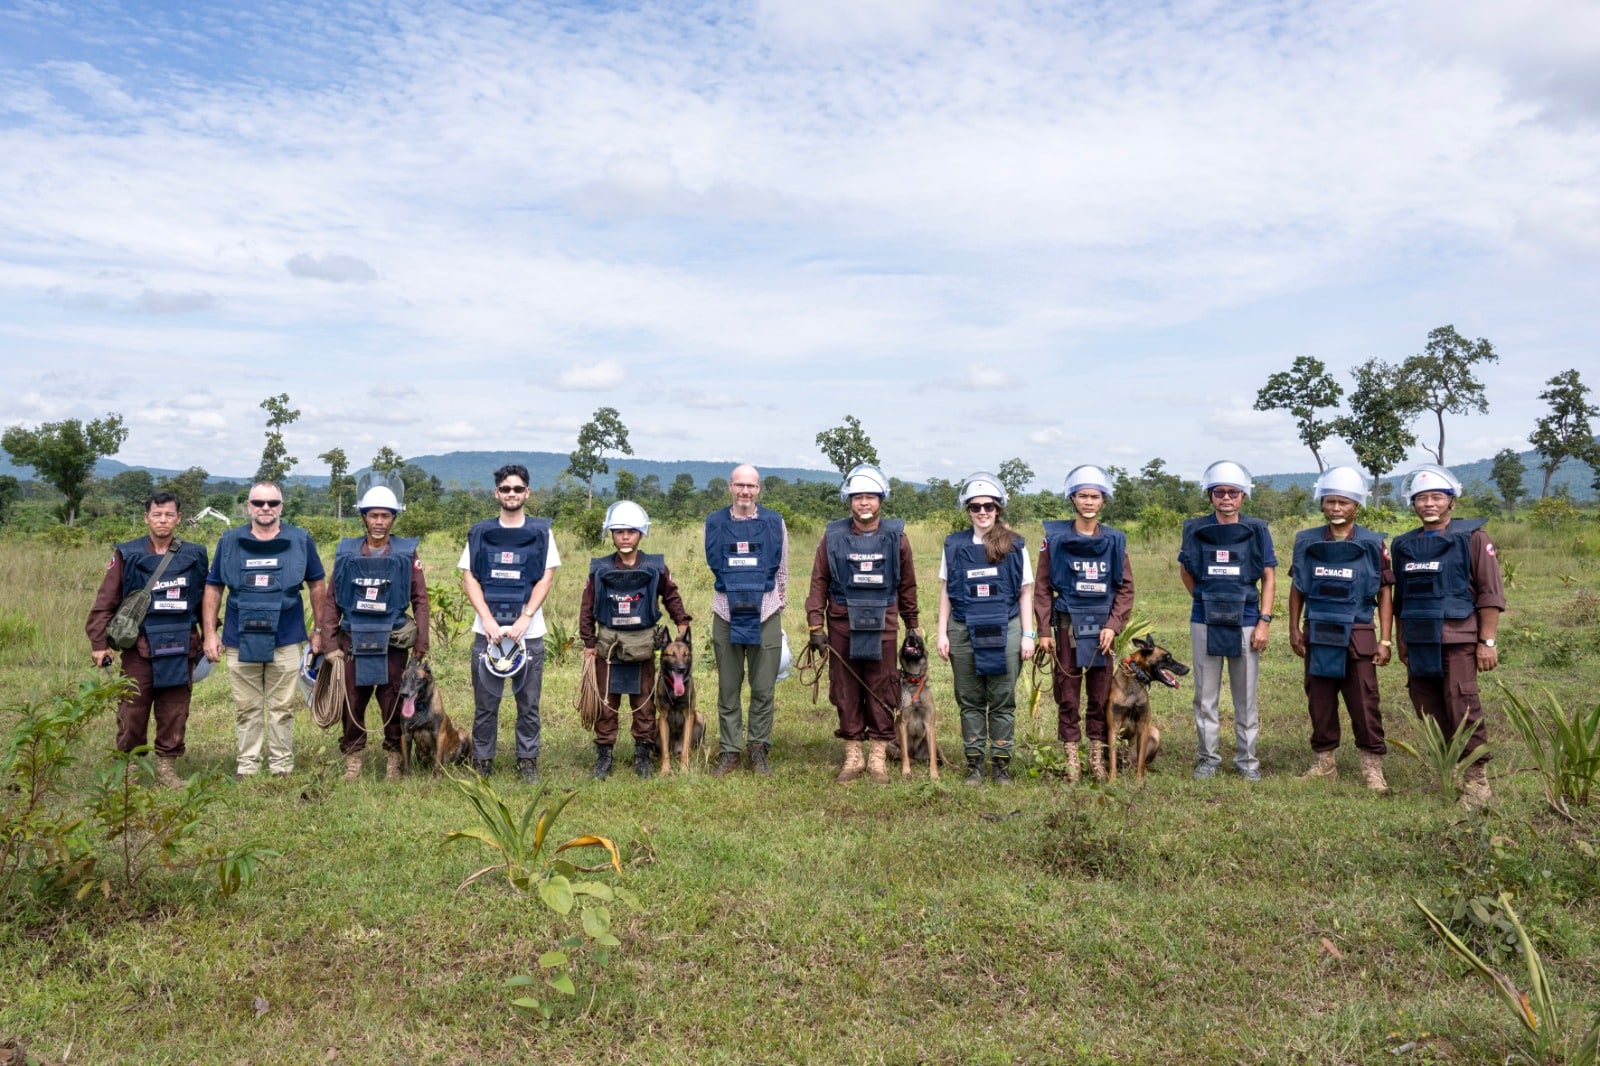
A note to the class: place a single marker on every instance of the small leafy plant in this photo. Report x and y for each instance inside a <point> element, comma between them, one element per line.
<point>1441,759</point>
<point>449,613</point>
<point>1564,747</point>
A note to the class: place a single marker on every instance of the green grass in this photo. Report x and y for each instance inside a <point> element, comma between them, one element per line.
<point>794,920</point>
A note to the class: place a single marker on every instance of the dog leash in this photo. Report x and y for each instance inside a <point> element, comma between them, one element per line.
<point>808,665</point>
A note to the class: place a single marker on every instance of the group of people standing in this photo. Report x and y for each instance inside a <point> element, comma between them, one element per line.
<point>996,608</point>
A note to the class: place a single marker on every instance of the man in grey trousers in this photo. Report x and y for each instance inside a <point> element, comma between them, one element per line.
<point>747,549</point>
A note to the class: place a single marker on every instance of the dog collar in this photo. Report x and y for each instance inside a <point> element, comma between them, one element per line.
<point>1138,672</point>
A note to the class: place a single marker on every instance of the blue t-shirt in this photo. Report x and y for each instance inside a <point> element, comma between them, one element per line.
<point>291,624</point>
<point>1252,603</point>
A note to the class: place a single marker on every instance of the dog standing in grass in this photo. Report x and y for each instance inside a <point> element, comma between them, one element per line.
<point>678,721</point>
<point>915,722</point>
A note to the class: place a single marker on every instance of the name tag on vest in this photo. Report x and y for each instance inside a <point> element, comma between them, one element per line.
<point>372,607</point>
<point>1433,565</point>
<point>507,575</point>
<point>984,571</point>
<point>252,564</point>
<point>743,560</point>
<point>867,579</point>
<point>861,557</point>
<point>1334,571</point>
<point>169,605</point>
<point>1222,571</point>
<point>1089,586</point>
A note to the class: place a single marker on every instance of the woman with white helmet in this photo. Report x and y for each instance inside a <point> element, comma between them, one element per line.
<point>863,582</point>
<point>985,586</point>
<point>1082,600</point>
<point>1341,581</point>
<point>621,604</point>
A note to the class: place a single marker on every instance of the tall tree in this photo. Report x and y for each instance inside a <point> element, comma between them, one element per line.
<point>387,461</point>
<point>1564,433</point>
<point>1442,378</point>
<point>1303,390</point>
<point>10,489</point>
<point>1378,427</point>
<point>276,462</point>
<point>189,487</point>
<point>846,446</point>
<point>64,453</point>
<point>339,480</point>
<point>605,432</point>
<point>627,484</point>
<point>1014,475</point>
<point>1506,473</point>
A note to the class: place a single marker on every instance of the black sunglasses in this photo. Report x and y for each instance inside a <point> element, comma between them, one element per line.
<point>513,489</point>
<point>266,503</point>
<point>976,508</point>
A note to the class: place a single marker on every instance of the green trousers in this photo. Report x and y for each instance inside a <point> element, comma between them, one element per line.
<point>988,702</point>
<point>734,661</point>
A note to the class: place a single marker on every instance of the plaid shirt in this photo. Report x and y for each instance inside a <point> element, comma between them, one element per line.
<point>771,602</point>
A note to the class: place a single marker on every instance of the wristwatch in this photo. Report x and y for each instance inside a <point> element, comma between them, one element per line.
<point>527,613</point>
<point>1267,618</point>
<point>1487,643</point>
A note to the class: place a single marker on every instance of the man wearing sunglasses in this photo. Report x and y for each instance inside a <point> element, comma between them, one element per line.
<point>507,569</point>
<point>263,565</point>
<point>1230,569</point>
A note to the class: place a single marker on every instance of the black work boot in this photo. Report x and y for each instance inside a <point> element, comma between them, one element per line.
<point>644,758</point>
<point>726,762</point>
<point>758,760</point>
<point>483,767</point>
<point>1000,769</point>
<point>975,771</point>
<point>528,771</point>
<point>602,761</point>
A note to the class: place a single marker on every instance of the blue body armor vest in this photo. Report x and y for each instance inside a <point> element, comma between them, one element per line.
<point>264,579</point>
<point>373,593</point>
<point>983,597</point>
<point>174,604</point>
<point>1225,564</point>
<point>1434,578</point>
<point>744,557</point>
<point>1085,573</point>
<point>864,575</point>
<point>624,597</point>
<point>508,563</point>
<point>1339,580</point>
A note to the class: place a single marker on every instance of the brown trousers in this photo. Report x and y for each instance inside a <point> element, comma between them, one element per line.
<point>865,691</point>
<point>171,707</point>
<point>1069,683</point>
<point>354,737</point>
<point>1359,687</point>
<point>642,703</point>
<point>1452,700</point>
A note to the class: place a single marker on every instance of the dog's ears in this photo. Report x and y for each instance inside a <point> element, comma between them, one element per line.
<point>1147,643</point>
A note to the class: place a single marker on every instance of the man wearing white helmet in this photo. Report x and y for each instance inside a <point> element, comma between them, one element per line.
<point>621,605</point>
<point>376,579</point>
<point>747,549</point>
<point>1082,600</point>
<point>507,569</point>
<point>863,581</point>
<point>1448,596</point>
<point>1230,569</point>
<point>1341,582</point>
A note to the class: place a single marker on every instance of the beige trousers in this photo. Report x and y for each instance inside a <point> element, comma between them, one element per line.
<point>263,708</point>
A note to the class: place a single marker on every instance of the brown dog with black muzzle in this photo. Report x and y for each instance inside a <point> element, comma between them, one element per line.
<point>429,737</point>
<point>674,696</point>
<point>914,720</point>
<point>1128,709</point>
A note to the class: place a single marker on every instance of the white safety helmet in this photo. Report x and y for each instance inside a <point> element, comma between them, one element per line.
<point>201,671</point>
<point>863,477</point>
<point>1429,478</point>
<point>625,514</point>
<point>1344,481</point>
<point>380,497</point>
<point>1228,473</point>
<point>982,484</point>
<point>310,666</point>
<point>506,658</point>
<point>1089,476</point>
<point>379,490</point>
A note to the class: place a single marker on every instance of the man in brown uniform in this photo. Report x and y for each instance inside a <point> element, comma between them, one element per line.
<point>161,662</point>
<point>863,581</point>
<point>1448,596</point>
<point>625,593</point>
<point>1341,580</point>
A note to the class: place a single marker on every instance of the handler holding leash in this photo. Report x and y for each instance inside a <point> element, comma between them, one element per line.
<point>1340,578</point>
<point>1448,595</point>
<point>621,604</point>
<point>992,584</point>
<point>1224,555</point>
<point>162,658</point>
<point>1081,602</point>
<point>375,578</point>
<point>863,581</point>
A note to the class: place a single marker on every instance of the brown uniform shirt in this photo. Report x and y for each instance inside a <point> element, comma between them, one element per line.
<point>1488,590</point>
<point>667,591</point>
<point>1044,595</point>
<point>819,604</point>
<point>109,597</point>
<point>331,615</point>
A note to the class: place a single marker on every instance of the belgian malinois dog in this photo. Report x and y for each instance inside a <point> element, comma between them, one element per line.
<point>1128,709</point>
<point>429,737</point>
<point>915,718</point>
<point>677,718</point>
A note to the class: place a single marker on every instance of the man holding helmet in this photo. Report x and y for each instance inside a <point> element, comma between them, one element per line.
<point>621,604</point>
<point>1340,581</point>
<point>863,581</point>
<point>1230,569</point>
<point>1081,601</point>
<point>507,569</point>
<point>375,579</point>
<point>1448,596</point>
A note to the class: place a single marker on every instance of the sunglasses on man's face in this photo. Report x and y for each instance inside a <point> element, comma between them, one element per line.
<point>512,490</point>
<point>1225,494</point>
<point>266,503</point>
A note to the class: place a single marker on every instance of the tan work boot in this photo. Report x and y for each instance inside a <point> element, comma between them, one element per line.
<point>392,766</point>
<point>1372,772</point>
<point>1097,760</point>
<point>1073,770</point>
<point>1474,786</point>
<point>1322,767</point>
<point>352,766</point>
<point>167,771</point>
<point>877,753</point>
<point>854,764</point>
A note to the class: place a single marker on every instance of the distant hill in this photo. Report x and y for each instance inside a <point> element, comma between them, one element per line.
<point>1574,474</point>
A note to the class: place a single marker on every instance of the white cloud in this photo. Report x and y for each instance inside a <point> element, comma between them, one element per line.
<point>595,377</point>
<point>335,268</point>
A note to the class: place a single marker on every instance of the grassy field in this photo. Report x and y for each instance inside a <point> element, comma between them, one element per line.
<point>794,920</point>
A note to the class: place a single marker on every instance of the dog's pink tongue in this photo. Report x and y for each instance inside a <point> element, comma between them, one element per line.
<point>1170,678</point>
<point>677,685</point>
<point>409,707</point>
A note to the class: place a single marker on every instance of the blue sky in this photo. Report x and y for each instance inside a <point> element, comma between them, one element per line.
<point>1069,232</point>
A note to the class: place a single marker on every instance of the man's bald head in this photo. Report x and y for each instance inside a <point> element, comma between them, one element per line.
<point>744,485</point>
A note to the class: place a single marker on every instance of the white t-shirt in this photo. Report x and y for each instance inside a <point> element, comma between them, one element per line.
<point>977,538</point>
<point>552,559</point>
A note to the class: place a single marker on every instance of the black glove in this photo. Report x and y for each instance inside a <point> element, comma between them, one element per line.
<point>819,639</point>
